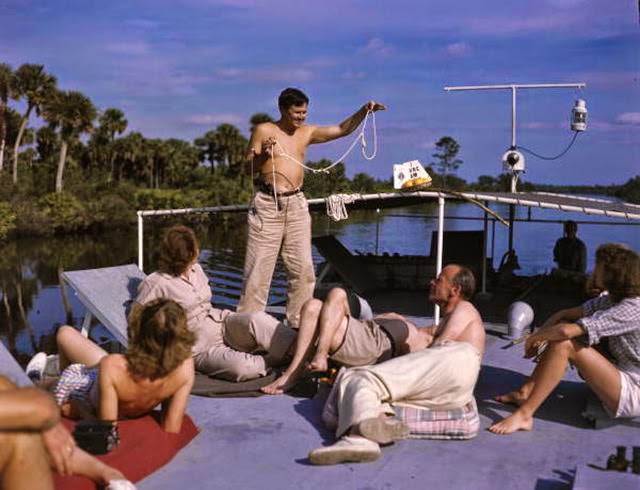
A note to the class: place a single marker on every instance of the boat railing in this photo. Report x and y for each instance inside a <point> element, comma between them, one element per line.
<point>578,204</point>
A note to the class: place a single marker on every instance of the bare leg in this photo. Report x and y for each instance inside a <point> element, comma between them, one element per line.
<point>23,461</point>
<point>74,347</point>
<point>85,464</point>
<point>519,396</point>
<point>304,344</point>
<point>602,376</point>
<point>332,326</point>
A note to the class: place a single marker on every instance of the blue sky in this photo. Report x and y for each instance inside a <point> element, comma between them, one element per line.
<point>178,68</point>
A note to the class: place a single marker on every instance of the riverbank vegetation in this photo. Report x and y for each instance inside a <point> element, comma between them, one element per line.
<point>66,165</point>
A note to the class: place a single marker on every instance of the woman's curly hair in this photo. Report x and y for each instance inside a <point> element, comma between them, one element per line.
<point>178,249</point>
<point>620,270</point>
<point>159,339</point>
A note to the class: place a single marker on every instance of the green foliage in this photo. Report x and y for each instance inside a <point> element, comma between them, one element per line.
<point>7,219</point>
<point>166,199</point>
<point>323,184</point>
<point>221,191</point>
<point>110,176</point>
<point>363,183</point>
<point>446,161</point>
<point>63,211</point>
<point>630,190</point>
<point>110,210</point>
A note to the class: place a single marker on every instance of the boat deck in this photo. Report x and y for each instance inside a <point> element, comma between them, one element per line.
<point>256,443</point>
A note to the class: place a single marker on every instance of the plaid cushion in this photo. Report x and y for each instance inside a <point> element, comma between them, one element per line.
<point>457,423</point>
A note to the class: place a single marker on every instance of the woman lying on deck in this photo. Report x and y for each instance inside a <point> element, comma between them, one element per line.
<point>157,368</point>
<point>572,335</point>
<point>228,345</point>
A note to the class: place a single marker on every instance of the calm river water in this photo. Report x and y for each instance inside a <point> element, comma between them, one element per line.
<point>32,300</point>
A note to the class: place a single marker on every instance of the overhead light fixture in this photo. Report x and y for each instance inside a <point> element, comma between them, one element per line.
<point>579,116</point>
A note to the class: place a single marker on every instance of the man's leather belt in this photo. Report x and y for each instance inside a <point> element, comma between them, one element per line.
<point>268,189</point>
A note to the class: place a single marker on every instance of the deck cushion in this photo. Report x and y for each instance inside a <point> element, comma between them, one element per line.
<point>144,447</point>
<point>458,423</point>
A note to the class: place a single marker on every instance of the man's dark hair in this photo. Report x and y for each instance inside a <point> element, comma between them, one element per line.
<point>467,282</point>
<point>570,225</point>
<point>292,96</point>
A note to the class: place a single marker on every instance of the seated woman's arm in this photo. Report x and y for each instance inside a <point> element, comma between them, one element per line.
<point>173,408</point>
<point>569,315</point>
<point>108,407</point>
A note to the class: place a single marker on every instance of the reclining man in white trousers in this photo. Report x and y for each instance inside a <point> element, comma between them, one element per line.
<point>439,377</point>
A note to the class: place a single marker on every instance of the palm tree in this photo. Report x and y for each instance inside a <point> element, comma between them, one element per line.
<point>232,145</point>
<point>33,83</point>
<point>112,122</point>
<point>178,158</point>
<point>259,118</point>
<point>6,74</point>
<point>73,113</point>
<point>208,148</point>
<point>446,160</point>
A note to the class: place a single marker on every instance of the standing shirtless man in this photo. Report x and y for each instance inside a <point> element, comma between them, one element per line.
<point>279,214</point>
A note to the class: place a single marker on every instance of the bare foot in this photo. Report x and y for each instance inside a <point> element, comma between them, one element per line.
<point>514,398</point>
<point>277,387</point>
<point>318,364</point>
<point>514,422</point>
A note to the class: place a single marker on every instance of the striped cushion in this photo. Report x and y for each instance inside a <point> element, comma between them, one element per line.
<point>458,423</point>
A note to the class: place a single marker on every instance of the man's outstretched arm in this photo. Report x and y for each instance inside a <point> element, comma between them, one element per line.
<point>322,134</point>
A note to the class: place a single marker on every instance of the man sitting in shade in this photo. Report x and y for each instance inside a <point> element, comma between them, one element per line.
<point>569,252</point>
<point>440,377</point>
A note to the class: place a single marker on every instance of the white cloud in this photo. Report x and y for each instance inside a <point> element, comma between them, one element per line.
<point>214,119</point>
<point>427,145</point>
<point>631,118</point>
<point>457,49</point>
<point>377,47</point>
<point>353,75</point>
<point>142,23</point>
<point>565,3</point>
<point>620,79</point>
<point>541,125</point>
<point>128,48</point>
<point>276,74</point>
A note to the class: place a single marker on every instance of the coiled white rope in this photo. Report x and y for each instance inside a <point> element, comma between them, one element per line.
<point>336,208</point>
<point>359,137</point>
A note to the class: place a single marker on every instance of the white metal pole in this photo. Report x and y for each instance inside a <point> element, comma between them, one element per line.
<point>526,85</point>
<point>484,250</point>
<point>140,242</point>
<point>436,310</point>
<point>513,116</point>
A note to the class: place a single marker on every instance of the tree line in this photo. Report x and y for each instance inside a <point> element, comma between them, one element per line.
<point>78,168</point>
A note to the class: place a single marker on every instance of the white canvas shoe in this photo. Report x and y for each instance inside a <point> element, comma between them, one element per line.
<point>383,430</point>
<point>348,449</point>
<point>120,485</point>
<point>35,368</point>
<point>52,369</point>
